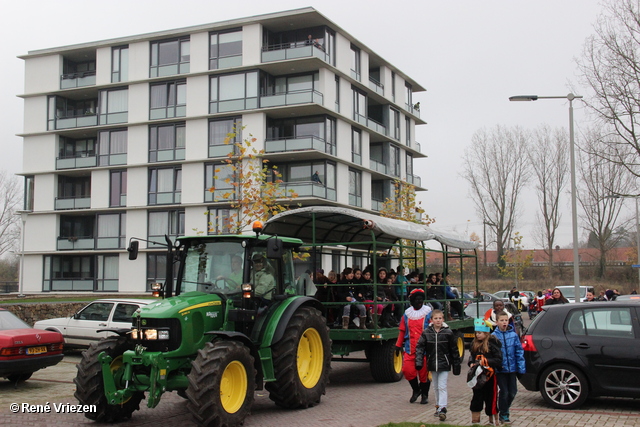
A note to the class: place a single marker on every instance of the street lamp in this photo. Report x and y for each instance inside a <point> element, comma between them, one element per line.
<point>23,217</point>
<point>574,209</point>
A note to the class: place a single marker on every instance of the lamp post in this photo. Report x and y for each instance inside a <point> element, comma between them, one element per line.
<point>574,209</point>
<point>23,217</point>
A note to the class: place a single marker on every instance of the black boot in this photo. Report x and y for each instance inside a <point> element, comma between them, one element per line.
<point>385,319</point>
<point>416,390</point>
<point>424,389</point>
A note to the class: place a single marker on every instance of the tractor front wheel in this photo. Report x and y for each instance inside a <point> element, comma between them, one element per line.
<point>222,383</point>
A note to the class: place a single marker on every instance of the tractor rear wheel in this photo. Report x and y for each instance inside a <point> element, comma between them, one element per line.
<point>385,362</point>
<point>301,361</point>
<point>222,383</point>
<point>90,386</point>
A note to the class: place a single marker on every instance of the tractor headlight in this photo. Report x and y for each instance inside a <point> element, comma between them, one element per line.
<point>151,334</point>
<point>134,334</point>
<point>163,334</point>
<point>246,290</point>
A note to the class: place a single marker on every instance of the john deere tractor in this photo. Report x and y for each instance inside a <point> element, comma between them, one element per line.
<point>236,323</point>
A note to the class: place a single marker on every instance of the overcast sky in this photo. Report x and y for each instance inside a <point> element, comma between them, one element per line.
<point>471,55</point>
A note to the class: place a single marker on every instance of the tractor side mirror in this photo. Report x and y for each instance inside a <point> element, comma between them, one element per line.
<point>274,248</point>
<point>133,249</point>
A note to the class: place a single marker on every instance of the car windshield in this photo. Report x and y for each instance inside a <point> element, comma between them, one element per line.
<point>213,267</point>
<point>9,321</point>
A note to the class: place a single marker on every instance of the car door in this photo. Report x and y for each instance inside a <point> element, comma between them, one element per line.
<point>82,327</point>
<point>607,341</point>
<point>122,315</point>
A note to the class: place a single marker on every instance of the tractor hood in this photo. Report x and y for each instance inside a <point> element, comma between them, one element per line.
<point>181,305</point>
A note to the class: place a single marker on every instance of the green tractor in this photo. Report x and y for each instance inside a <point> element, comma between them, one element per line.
<point>236,324</point>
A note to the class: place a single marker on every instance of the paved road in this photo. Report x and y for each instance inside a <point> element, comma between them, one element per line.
<point>353,400</point>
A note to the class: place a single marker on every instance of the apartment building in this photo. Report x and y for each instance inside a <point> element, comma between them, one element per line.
<point>122,137</point>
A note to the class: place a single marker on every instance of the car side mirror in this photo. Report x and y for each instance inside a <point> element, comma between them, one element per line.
<point>133,249</point>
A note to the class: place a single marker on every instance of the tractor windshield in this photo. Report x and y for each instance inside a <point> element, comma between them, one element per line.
<point>213,267</point>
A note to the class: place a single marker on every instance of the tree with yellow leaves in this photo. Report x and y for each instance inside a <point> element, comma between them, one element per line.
<point>516,260</point>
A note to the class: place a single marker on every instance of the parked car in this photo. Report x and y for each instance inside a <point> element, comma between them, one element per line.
<point>479,309</point>
<point>628,297</point>
<point>569,292</point>
<point>504,295</point>
<point>81,329</point>
<point>576,351</point>
<point>24,350</point>
<point>488,297</point>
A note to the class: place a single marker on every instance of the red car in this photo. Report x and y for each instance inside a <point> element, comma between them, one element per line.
<point>24,350</point>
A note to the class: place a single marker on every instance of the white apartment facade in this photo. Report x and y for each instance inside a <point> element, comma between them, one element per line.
<point>121,137</point>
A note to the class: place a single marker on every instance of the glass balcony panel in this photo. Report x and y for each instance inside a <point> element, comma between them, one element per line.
<point>118,159</point>
<point>376,86</point>
<point>233,105</point>
<point>123,200</point>
<point>296,144</point>
<point>378,127</point>
<point>75,243</point>
<point>355,75</point>
<point>185,68</point>
<point>219,195</point>
<point>377,166</point>
<point>291,51</point>
<point>291,98</point>
<point>87,121</point>
<point>73,203</point>
<point>72,285</point>
<point>213,107</point>
<point>76,162</point>
<point>377,205</point>
<point>166,155</point>
<point>108,243</point>
<point>181,111</point>
<point>357,159</point>
<point>113,118</point>
<point>272,100</point>
<point>221,150</point>
<point>107,285</point>
<point>231,61</point>
<point>159,113</point>
<point>355,200</point>
<point>167,70</point>
<point>360,118</point>
<point>74,122</point>
<point>251,103</point>
<point>167,198</point>
<point>87,78</point>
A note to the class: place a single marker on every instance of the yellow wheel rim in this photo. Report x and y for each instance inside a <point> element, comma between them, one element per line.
<point>397,361</point>
<point>310,358</point>
<point>233,387</point>
<point>115,366</point>
<point>460,346</point>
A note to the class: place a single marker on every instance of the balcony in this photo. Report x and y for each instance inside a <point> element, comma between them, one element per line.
<point>377,205</point>
<point>376,86</point>
<point>308,189</point>
<point>79,79</point>
<point>284,51</point>
<point>75,243</point>
<point>413,109</point>
<point>377,166</point>
<point>292,98</point>
<point>70,285</point>
<point>76,162</point>
<point>378,127</point>
<point>298,144</point>
<point>73,203</point>
<point>68,122</point>
<point>415,180</point>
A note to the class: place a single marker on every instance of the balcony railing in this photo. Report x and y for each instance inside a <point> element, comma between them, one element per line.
<point>377,205</point>
<point>415,180</point>
<point>308,189</point>
<point>73,203</point>
<point>376,86</point>
<point>378,127</point>
<point>413,109</point>
<point>75,243</point>
<point>81,79</point>
<point>69,285</point>
<point>89,119</point>
<point>292,98</point>
<point>76,162</point>
<point>283,51</point>
<point>377,166</point>
<point>299,144</point>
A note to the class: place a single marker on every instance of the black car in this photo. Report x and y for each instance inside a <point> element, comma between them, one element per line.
<point>576,351</point>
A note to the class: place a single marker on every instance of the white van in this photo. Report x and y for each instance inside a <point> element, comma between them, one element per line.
<point>569,292</point>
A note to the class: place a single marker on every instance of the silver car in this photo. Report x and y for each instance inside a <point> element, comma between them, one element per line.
<point>80,330</point>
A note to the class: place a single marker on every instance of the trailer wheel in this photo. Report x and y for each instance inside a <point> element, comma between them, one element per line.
<point>90,385</point>
<point>301,361</point>
<point>221,384</point>
<point>385,364</point>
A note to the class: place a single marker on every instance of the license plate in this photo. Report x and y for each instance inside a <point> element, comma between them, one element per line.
<point>36,350</point>
<point>470,335</point>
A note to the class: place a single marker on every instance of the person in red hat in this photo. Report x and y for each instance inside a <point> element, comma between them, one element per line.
<point>414,321</point>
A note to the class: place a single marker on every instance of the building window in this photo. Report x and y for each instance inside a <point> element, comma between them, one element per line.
<point>68,273</point>
<point>355,187</point>
<point>233,92</point>
<point>157,269</point>
<point>65,113</point>
<point>407,133</point>
<point>355,62</point>
<point>78,74</point>
<point>222,221</point>
<point>111,231</point>
<point>219,182</point>
<point>356,146</point>
<point>409,167</point>
<point>76,227</point>
<point>394,161</point>
<point>72,148</point>
<point>168,99</point>
<point>119,64</point>
<point>393,86</point>
<point>160,223</point>
<point>74,187</point>
<point>108,272</point>
<point>118,190</point>
<point>223,135</point>
<point>394,123</point>
<point>302,179</point>
<point>303,133</point>
<point>169,57</point>
<point>114,106</point>
<point>112,147</point>
<point>225,49</point>
<point>337,94</point>
<point>408,97</point>
<point>359,106</point>
<point>165,185</point>
<point>29,184</point>
<point>166,142</point>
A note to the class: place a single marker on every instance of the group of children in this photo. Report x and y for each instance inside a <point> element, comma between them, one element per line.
<point>431,352</point>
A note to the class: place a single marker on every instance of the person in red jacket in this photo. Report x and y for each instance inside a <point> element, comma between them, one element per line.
<point>414,321</point>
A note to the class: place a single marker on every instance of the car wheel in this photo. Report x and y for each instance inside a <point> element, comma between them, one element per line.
<point>563,386</point>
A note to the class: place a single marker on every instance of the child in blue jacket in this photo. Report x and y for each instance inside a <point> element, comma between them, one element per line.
<point>512,364</point>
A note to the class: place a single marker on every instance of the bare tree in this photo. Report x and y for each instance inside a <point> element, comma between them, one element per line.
<point>549,161</point>
<point>10,199</point>
<point>496,167</point>
<point>600,182</point>
<point>610,67</point>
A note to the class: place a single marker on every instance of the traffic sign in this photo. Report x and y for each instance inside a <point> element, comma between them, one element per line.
<point>635,266</point>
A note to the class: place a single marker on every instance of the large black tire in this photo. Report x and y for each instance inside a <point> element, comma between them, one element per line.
<point>301,361</point>
<point>222,383</point>
<point>385,362</point>
<point>90,386</point>
<point>564,386</point>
